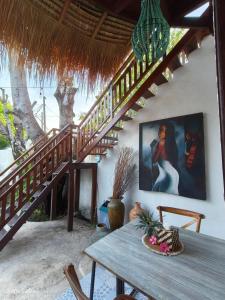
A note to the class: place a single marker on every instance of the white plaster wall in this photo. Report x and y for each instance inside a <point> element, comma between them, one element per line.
<point>192,90</point>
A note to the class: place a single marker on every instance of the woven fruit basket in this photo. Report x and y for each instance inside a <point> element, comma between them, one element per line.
<point>158,249</point>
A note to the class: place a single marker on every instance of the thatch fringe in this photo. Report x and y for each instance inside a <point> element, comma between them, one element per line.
<point>50,48</point>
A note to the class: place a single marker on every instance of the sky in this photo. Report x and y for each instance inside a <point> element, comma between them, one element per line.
<point>83,101</point>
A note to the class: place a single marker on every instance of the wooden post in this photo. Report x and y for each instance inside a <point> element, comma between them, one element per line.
<point>53,201</point>
<point>219,26</point>
<point>77,190</point>
<point>70,199</point>
<point>94,194</point>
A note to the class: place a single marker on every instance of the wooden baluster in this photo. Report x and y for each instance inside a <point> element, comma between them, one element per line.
<point>28,179</point>
<point>66,145</point>
<point>112,100</point>
<point>120,92</point>
<point>47,165</point>
<point>57,155</point>
<point>41,170</point>
<point>3,210</point>
<point>127,83</point>
<point>123,86</point>
<point>34,183</point>
<point>12,202</point>
<point>141,68</point>
<point>130,76</point>
<point>105,106</point>
<point>97,121</point>
<point>20,196</point>
<point>135,72</point>
<point>64,148</point>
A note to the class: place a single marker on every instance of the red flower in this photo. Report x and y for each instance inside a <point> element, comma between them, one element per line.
<point>164,247</point>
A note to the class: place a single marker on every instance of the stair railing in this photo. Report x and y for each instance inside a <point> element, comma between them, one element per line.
<point>20,160</point>
<point>20,192</point>
<point>14,176</point>
<point>121,90</point>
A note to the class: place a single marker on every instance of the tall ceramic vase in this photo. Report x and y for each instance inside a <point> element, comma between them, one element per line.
<point>116,211</point>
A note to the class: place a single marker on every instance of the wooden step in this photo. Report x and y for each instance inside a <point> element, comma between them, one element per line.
<point>193,45</point>
<point>96,153</point>
<point>25,207</point>
<point>175,64</point>
<point>126,118</point>
<point>111,138</point>
<point>13,221</point>
<point>136,107</point>
<point>37,194</point>
<point>57,171</point>
<point>2,233</point>
<point>46,183</point>
<point>161,80</point>
<point>117,128</point>
<point>148,94</point>
<point>104,145</point>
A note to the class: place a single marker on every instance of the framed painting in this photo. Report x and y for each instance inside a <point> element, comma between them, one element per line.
<point>172,156</point>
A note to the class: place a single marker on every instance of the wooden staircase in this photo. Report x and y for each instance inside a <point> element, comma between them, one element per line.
<point>29,185</point>
<point>40,168</point>
<point>126,94</point>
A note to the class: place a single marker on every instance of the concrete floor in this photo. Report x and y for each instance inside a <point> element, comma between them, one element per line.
<point>31,265</point>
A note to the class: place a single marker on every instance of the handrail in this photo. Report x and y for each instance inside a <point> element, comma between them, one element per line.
<point>129,87</point>
<point>112,81</point>
<point>30,170</point>
<point>32,158</point>
<point>15,162</point>
<point>18,194</point>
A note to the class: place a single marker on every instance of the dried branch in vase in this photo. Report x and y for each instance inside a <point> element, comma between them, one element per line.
<point>124,172</point>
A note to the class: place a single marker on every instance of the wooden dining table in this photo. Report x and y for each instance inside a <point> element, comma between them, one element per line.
<point>197,273</point>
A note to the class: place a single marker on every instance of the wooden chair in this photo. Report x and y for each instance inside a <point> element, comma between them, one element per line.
<point>197,217</point>
<point>74,282</point>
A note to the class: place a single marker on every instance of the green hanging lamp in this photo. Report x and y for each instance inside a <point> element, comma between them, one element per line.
<point>151,35</point>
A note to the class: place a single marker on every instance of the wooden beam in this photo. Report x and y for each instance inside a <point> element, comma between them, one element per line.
<point>192,22</point>
<point>219,26</point>
<point>94,195</point>
<point>101,20</point>
<point>119,5</point>
<point>182,8</point>
<point>77,191</point>
<point>53,202</point>
<point>64,10</point>
<point>70,208</point>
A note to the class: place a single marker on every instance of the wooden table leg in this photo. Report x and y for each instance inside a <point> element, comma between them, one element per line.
<point>119,286</point>
<point>92,280</point>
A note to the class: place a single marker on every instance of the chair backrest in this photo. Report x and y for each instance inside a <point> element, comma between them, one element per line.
<point>74,282</point>
<point>197,217</point>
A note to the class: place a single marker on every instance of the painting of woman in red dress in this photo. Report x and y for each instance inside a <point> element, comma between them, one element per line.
<point>172,156</point>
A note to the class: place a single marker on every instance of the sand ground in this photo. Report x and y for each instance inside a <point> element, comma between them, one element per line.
<point>31,264</point>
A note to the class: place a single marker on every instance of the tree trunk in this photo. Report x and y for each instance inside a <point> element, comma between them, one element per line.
<point>21,101</point>
<point>64,95</point>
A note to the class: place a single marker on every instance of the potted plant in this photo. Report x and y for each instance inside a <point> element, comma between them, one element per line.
<point>124,173</point>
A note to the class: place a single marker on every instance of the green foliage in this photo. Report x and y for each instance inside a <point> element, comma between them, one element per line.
<point>2,117</point>
<point>148,224</point>
<point>39,215</point>
<point>175,36</point>
<point>4,142</point>
<point>7,107</point>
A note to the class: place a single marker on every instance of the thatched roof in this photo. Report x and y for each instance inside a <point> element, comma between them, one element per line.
<point>65,35</point>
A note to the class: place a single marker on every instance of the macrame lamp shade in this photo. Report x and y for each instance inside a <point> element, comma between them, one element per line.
<point>151,35</point>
